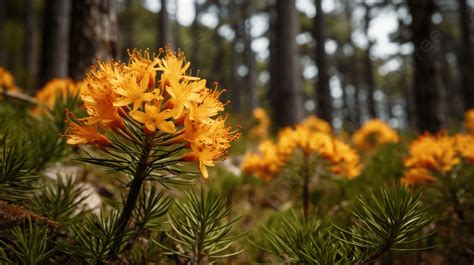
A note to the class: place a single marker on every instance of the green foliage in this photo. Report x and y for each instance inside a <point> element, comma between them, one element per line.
<point>386,221</point>
<point>201,232</point>
<point>382,223</point>
<point>60,200</point>
<point>131,148</point>
<point>151,205</point>
<point>16,171</point>
<point>93,239</point>
<point>29,246</point>
<point>300,241</point>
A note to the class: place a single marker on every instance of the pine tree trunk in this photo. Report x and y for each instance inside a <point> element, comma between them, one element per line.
<point>165,34</point>
<point>55,44</point>
<point>237,84</point>
<point>250,59</point>
<point>93,35</point>
<point>128,30</point>
<point>29,60</point>
<point>286,93</point>
<point>354,115</point>
<point>323,94</point>
<point>428,86</point>
<point>3,6</point>
<point>466,60</point>
<point>196,37</point>
<point>369,67</point>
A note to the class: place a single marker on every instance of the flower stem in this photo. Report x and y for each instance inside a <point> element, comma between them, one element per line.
<point>135,187</point>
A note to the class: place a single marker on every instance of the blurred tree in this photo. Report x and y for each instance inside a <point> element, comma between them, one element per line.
<point>466,60</point>
<point>128,28</point>
<point>55,40</point>
<point>238,47</point>
<point>323,94</point>
<point>250,57</point>
<point>354,116</point>
<point>93,35</point>
<point>2,32</point>
<point>428,85</point>
<point>165,27</point>
<point>197,35</point>
<point>286,93</point>
<point>29,59</point>
<point>370,83</point>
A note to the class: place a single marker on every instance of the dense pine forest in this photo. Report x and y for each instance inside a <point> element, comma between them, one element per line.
<point>236,132</point>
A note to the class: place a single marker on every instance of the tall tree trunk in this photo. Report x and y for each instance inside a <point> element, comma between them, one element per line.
<point>368,65</point>
<point>55,44</point>
<point>428,85</point>
<point>93,35</point>
<point>3,7</point>
<point>466,60</point>
<point>29,54</point>
<point>165,28</point>
<point>237,84</point>
<point>323,94</point>
<point>218,63</point>
<point>250,59</point>
<point>128,23</point>
<point>196,36</point>
<point>354,116</point>
<point>286,93</point>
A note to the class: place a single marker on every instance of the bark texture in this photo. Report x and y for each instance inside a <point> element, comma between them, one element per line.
<point>55,40</point>
<point>93,35</point>
<point>429,96</point>
<point>286,93</point>
<point>323,94</point>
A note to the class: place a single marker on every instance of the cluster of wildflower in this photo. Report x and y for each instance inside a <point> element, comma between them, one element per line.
<point>469,121</point>
<point>432,155</point>
<point>156,93</point>
<point>54,90</point>
<point>261,130</point>
<point>7,83</point>
<point>373,134</point>
<point>312,136</point>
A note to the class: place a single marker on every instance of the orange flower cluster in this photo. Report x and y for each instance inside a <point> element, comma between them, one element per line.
<point>469,121</point>
<point>261,130</point>
<point>157,93</point>
<point>373,134</point>
<point>7,82</point>
<point>310,137</point>
<point>431,154</point>
<point>54,90</point>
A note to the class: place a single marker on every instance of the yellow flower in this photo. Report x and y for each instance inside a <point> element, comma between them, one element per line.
<point>465,146</point>
<point>55,88</point>
<point>374,133</point>
<point>417,176</point>
<point>433,152</point>
<point>116,92</point>
<point>133,93</point>
<point>469,121</point>
<point>208,142</point>
<point>343,160</point>
<point>261,130</point>
<point>207,107</point>
<point>153,118</point>
<point>82,134</point>
<point>141,65</point>
<point>316,124</point>
<point>173,66</point>
<point>264,165</point>
<point>7,82</point>
<point>183,94</point>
